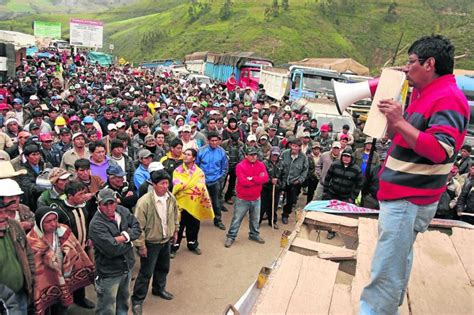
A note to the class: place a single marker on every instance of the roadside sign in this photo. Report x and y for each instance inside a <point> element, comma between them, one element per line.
<point>111,47</point>
<point>86,33</point>
<point>47,29</point>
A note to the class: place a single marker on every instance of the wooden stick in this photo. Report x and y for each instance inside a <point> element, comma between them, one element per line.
<point>273,205</point>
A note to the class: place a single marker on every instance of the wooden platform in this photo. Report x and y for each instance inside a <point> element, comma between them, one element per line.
<point>311,277</point>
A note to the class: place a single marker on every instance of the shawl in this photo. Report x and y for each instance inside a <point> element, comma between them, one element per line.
<point>189,188</point>
<point>53,285</point>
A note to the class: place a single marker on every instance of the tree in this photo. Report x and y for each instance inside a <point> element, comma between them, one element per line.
<point>275,8</point>
<point>226,10</point>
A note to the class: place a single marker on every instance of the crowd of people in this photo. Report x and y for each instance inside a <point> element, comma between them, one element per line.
<point>100,163</point>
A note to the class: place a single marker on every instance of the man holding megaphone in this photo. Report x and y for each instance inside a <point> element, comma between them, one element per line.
<point>425,142</point>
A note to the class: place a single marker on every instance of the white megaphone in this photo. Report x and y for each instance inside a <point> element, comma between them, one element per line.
<point>346,94</point>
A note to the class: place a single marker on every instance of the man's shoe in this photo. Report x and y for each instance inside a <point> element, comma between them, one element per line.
<point>197,251</point>
<point>137,309</point>
<point>220,225</point>
<point>86,303</point>
<point>224,209</point>
<point>257,239</point>
<point>172,254</point>
<point>331,235</point>
<point>228,242</point>
<point>284,220</point>
<point>275,226</point>
<point>163,294</point>
<point>229,201</point>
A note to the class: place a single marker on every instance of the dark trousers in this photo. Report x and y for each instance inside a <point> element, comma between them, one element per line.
<point>231,186</point>
<point>192,225</point>
<point>292,192</point>
<point>79,295</point>
<point>267,206</point>
<point>214,190</point>
<point>312,184</point>
<point>156,265</point>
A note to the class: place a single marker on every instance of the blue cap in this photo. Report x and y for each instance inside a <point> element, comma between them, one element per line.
<point>18,101</point>
<point>88,120</point>
<point>115,170</point>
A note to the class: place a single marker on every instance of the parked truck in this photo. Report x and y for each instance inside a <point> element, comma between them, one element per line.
<point>245,65</point>
<point>309,77</point>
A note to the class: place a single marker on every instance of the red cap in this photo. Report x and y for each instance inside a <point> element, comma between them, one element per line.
<point>324,128</point>
<point>46,137</point>
<point>3,106</point>
<point>344,136</point>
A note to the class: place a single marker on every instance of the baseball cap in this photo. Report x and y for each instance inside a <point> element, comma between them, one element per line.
<point>336,144</point>
<point>111,127</point>
<point>77,134</point>
<point>155,166</point>
<point>46,137</point>
<point>88,120</point>
<point>33,98</point>
<point>274,127</point>
<point>64,130</point>
<point>34,126</point>
<point>115,170</point>
<point>251,150</point>
<point>229,112</point>
<point>368,140</point>
<point>186,128</point>
<point>58,173</point>
<point>317,145</point>
<point>251,138</point>
<point>120,124</point>
<point>144,154</point>
<point>306,134</point>
<point>148,138</point>
<point>106,195</point>
<point>324,128</point>
<point>276,151</point>
<point>344,136</point>
<point>255,111</point>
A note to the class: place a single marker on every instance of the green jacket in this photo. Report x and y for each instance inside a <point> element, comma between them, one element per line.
<point>150,221</point>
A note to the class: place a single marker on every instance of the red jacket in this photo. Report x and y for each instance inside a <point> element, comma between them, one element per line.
<point>246,189</point>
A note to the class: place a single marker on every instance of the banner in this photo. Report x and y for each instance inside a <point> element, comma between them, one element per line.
<point>86,33</point>
<point>47,29</point>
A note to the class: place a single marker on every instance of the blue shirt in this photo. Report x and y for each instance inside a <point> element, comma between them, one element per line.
<point>141,175</point>
<point>213,162</point>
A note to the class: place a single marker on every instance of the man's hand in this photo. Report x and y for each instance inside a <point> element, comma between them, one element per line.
<point>120,239</point>
<point>130,193</point>
<point>143,252</point>
<point>89,243</point>
<point>274,181</point>
<point>393,112</point>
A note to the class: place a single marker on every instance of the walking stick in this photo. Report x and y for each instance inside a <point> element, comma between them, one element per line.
<point>273,203</point>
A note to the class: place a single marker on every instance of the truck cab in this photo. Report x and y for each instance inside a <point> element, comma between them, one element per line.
<point>309,82</point>
<point>249,77</point>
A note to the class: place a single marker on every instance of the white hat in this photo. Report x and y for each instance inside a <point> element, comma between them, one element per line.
<point>155,166</point>
<point>33,97</point>
<point>230,112</point>
<point>255,110</point>
<point>120,124</point>
<point>7,170</point>
<point>251,138</point>
<point>186,128</point>
<point>10,120</point>
<point>112,127</point>
<point>213,112</point>
<point>9,188</point>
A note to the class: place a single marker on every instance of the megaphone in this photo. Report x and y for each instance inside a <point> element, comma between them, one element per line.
<point>346,94</point>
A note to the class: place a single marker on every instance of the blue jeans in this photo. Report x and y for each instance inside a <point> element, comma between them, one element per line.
<point>214,190</point>
<point>113,295</point>
<point>399,223</point>
<point>241,208</point>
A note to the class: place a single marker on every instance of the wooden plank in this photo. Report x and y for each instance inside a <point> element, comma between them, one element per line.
<point>368,234</point>
<point>324,251</point>
<point>438,283</point>
<point>308,298</point>
<point>462,240</point>
<point>341,300</point>
<point>330,222</point>
<point>292,289</point>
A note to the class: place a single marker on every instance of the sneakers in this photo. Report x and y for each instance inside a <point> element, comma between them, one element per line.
<point>257,239</point>
<point>284,220</point>
<point>228,242</point>
<point>137,309</point>
<point>220,225</point>
<point>229,201</point>
<point>197,251</point>
<point>275,226</point>
<point>172,254</point>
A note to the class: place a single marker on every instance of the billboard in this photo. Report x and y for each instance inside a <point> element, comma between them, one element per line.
<point>47,29</point>
<point>86,33</point>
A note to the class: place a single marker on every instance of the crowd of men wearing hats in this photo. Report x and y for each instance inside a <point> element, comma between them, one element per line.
<point>91,143</point>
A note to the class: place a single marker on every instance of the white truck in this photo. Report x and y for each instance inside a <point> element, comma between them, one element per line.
<point>276,82</point>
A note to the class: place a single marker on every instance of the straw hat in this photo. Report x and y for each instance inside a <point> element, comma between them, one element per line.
<point>7,170</point>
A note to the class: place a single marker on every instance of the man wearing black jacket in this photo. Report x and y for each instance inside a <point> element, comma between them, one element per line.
<point>112,230</point>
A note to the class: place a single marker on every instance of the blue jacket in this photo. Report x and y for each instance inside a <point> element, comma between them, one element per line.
<point>140,176</point>
<point>213,162</point>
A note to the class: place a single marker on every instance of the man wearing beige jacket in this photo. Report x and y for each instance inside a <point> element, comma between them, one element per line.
<point>157,213</point>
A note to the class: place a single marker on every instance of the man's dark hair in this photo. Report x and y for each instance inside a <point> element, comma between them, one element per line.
<point>73,187</point>
<point>107,110</point>
<point>122,136</point>
<point>193,151</point>
<point>142,124</point>
<point>211,119</point>
<point>159,132</point>
<point>213,134</point>
<point>438,47</point>
<point>467,147</point>
<point>84,164</point>
<point>95,144</point>
<point>175,142</point>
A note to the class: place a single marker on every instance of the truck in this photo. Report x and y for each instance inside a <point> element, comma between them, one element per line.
<point>245,65</point>
<point>310,77</point>
<point>195,62</point>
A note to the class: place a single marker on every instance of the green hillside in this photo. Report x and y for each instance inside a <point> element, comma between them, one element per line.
<point>367,31</point>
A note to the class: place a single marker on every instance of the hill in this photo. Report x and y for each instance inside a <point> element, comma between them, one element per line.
<point>367,31</point>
